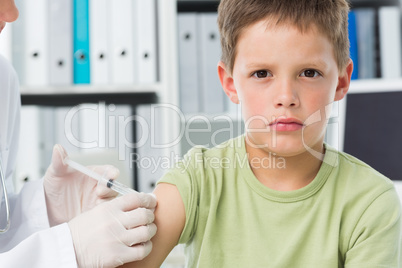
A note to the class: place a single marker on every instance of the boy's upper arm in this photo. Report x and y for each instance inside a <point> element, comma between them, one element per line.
<point>170,219</point>
<point>377,241</point>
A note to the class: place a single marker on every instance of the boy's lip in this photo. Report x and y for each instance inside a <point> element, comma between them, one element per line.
<point>286,120</point>
<point>286,124</point>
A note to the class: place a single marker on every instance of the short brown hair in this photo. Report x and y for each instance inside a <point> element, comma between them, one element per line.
<point>329,16</point>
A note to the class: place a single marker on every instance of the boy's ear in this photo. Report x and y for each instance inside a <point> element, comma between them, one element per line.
<point>227,83</point>
<point>344,81</point>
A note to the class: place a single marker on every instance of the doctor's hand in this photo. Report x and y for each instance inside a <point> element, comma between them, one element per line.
<point>114,232</point>
<point>68,192</point>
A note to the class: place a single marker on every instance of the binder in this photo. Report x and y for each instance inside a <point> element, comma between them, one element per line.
<point>60,42</point>
<point>353,44</point>
<point>47,137</point>
<point>81,60</point>
<point>116,134</point>
<point>66,127</point>
<point>90,117</point>
<point>145,31</point>
<point>365,23</point>
<point>99,36</point>
<point>390,41</point>
<point>122,43</point>
<point>211,89</point>
<point>28,165</point>
<point>36,46</point>
<point>151,161</point>
<point>188,63</point>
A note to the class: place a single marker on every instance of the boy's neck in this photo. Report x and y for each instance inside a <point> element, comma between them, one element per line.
<point>283,173</point>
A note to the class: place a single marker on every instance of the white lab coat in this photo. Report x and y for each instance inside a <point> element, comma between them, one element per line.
<point>29,242</point>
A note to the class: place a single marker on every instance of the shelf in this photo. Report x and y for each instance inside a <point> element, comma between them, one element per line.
<point>212,5</point>
<point>197,6</point>
<point>375,85</point>
<point>72,99</point>
<point>373,3</point>
<point>90,89</point>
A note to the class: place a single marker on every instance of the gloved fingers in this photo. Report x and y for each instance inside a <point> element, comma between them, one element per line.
<point>140,234</point>
<point>136,252</point>
<point>152,229</point>
<point>129,201</point>
<point>102,200</point>
<point>108,172</point>
<point>147,200</point>
<point>137,217</point>
<point>58,156</point>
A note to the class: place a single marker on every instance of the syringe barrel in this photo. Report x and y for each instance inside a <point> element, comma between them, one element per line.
<point>119,187</point>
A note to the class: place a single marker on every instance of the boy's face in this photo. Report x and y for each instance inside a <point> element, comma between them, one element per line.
<point>284,80</point>
<point>8,12</point>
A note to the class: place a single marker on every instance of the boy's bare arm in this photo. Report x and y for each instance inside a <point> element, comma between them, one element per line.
<point>170,219</point>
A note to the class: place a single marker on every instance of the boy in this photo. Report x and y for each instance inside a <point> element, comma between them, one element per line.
<point>284,61</point>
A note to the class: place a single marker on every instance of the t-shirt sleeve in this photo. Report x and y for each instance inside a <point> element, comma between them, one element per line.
<point>185,176</point>
<point>376,240</point>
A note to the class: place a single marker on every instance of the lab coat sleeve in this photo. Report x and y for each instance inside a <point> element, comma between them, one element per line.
<point>46,249</point>
<point>30,242</point>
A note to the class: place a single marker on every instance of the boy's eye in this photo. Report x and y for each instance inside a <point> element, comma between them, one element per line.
<point>261,74</point>
<point>310,73</point>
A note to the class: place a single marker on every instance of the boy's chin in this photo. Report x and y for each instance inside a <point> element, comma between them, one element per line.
<point>287,150</point>
<point>282,147</point>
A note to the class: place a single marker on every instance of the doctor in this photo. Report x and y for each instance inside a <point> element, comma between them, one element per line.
<point>63,219</point>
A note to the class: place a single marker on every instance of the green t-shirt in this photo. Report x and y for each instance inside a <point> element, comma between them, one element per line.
<point>348,216</point>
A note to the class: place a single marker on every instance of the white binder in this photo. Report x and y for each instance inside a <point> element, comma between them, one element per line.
<point>47,136</point>
<point>145,40</point>
<point>29,156</point>
<point>188,63</point>
<point>65,126</point>
<point>212,92</point>
<point>99,41</point>
<point>60,42</point>
<point>151,161</point>
<point>89,126</point>
<point>117,134</point>
<point>390,42</point>
<point>121,36</point>
<point>36,45</point>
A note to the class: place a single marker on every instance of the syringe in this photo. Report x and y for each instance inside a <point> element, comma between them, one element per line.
<point>114,185</point>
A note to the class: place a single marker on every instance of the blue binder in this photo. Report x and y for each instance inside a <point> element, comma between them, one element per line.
<point>353,44</point>
<point>81,42</point>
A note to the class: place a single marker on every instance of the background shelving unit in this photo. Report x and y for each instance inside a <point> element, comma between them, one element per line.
<point>135,95</point>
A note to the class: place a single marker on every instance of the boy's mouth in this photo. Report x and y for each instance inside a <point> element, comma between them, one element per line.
<point>286,124</point>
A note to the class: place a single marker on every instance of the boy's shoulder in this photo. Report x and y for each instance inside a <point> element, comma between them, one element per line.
<point>356,173</point>
<point>222,156</point>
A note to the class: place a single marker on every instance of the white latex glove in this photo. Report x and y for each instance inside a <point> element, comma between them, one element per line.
<point>69,192</point>
<point>114,232</point>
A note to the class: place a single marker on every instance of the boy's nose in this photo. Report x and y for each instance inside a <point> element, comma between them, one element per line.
<point>286,95</point>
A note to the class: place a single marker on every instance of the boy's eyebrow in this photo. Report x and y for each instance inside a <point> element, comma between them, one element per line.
<point>311,63</point>
<point>257,65</point>
<point>316,63</point>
